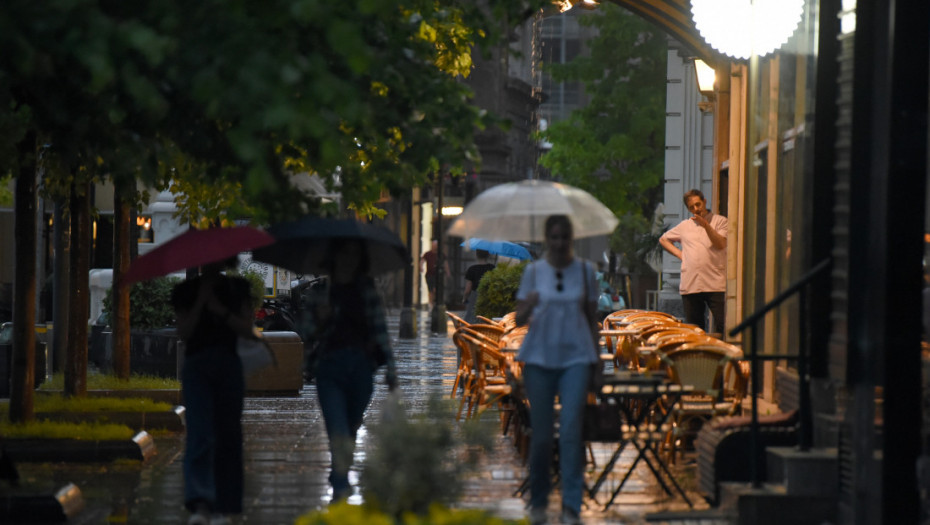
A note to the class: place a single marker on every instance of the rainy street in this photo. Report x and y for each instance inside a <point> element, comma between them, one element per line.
<point>287,460</point>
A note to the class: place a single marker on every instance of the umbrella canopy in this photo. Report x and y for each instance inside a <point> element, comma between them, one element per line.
<point>195,248</point>
<point>303,245</point>
<point>517,211</point>
<point>505,248</point>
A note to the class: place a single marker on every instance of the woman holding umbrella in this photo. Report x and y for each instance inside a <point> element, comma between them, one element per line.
<point>353,343</point>
<point>558,298</point>
<point>212,311</point>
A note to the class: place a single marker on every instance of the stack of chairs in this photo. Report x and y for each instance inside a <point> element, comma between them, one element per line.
<point>484,371</point>
<point>487,376</point>
<point>714,369</point>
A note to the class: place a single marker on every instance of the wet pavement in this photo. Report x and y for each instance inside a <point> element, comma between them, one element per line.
<point>287,460</point>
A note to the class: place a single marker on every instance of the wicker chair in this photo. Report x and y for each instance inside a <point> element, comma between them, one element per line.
<point>488,385</point>
<point>457,322</point>
<point>701,366</point>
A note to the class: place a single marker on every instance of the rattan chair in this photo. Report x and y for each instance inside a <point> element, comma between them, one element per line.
<point>701,368</point>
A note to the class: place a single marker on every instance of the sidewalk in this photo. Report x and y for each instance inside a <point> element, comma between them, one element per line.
<point>287,460</point>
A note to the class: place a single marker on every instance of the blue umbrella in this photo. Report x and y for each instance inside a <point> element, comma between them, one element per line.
<point>505,248</point>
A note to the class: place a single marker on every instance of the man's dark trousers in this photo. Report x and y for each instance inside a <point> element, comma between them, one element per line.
<point>696,305</point>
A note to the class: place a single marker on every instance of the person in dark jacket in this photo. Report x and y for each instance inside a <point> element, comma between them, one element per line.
<point>352,343</point>
<point>473,276</point>
<point>212,311</point>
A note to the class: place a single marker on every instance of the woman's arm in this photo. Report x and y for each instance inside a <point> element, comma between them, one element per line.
<point>525,308</point>
<point>239,320</point>
<point>187,316</point>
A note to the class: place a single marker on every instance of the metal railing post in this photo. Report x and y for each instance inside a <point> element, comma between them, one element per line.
<point>754,425</point>
<point>804,397</point>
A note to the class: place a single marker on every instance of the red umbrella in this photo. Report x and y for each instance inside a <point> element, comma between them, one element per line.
<point>195,248</point>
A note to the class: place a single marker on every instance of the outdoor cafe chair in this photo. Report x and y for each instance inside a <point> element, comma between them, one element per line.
<point>736,374</point>
<point>464,375</point>
<point>701,366</point>
<point>489,386</point>
<point>624,346</point>
<point>508,321</point>
<point>457,322</point>
<point>492,332</point>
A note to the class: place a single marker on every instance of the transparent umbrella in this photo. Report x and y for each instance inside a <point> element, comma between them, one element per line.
<point>517,211</point>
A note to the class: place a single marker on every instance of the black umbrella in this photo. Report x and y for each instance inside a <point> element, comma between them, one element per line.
<point>303,246</point>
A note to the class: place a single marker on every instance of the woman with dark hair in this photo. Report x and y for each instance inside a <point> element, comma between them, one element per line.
<point>558,298</point>
<point>212,311</point>
<point>353,343</point>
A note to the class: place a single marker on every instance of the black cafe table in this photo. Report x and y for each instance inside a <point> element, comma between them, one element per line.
<point>645,401</point>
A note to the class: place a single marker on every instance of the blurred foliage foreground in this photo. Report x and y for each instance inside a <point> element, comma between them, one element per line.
<point>415,470</point>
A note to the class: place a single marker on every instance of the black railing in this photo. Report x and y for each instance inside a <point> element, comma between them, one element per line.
<point>805,421</point>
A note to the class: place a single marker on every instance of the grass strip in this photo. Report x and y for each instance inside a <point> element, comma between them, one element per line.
<point>98,381</point>
<point>58,430</point>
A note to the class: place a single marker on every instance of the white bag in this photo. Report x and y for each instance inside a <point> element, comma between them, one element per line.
<point>255,354</point>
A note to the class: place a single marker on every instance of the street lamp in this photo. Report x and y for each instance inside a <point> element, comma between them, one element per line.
<point>706,78</point>
<point>739,28</point>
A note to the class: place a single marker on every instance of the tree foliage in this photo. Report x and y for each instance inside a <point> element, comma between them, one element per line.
<point>363,92</point>
<point>614,147</point>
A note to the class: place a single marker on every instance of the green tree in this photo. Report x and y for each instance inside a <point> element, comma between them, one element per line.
<point>614,147</point>
<point>363,92</point>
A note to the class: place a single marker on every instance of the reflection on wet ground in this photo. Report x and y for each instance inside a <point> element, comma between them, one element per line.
<point>287,460</point>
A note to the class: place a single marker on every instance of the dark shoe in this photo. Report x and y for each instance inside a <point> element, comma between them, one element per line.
<point>538,516</point>
<point>199,518</point>
<point>570,517</point>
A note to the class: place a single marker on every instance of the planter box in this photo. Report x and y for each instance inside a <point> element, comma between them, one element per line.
<point>28,507</point>
<point>154,352</point>
<point>172,420</point>
<point>141,447</point>
<point>285,379</point>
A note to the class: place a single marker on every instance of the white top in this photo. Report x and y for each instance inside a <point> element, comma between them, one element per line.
<point>559,335</point>
<point>703,267</point>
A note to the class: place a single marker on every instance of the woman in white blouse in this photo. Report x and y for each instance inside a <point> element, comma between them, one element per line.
<point>558,298</point>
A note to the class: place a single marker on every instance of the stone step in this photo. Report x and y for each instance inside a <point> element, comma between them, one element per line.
<point>771,504</point>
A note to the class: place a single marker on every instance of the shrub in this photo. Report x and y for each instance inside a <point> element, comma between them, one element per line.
<point>150,303</point>
<point>497,290</point>
<point>399,478</point>
<point>256,286</point>
<point>343,513</point>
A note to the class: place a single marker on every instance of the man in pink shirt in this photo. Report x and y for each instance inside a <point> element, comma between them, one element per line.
<point>703,254</point>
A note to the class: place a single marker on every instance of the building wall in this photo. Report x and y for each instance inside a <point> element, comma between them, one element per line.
<point>689,153</point>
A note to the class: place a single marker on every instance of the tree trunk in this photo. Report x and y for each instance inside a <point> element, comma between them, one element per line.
<point>22,393</point>
<point>76,369</point>
<point>61,287</point>
<point>119,315</point>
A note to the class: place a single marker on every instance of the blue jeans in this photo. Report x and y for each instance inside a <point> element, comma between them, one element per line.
<point>542,385</point>
<point>213,392</point>
<point>344,382</point>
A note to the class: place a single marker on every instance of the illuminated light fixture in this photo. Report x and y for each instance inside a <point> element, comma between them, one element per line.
<point>706,79</point>
<point>565,5</point>
<point>848,17</point>
<point>452,211</point>
<point>740,28</point>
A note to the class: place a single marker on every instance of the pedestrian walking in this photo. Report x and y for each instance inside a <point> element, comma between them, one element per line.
<point>557,298</point>
<point>473,276</point>
<point>212,311</point>
<point>352,343</point>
